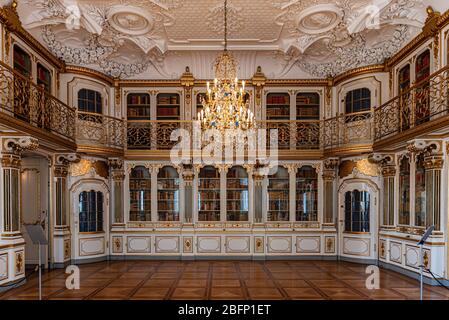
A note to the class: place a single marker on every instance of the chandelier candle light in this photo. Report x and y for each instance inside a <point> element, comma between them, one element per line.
<point>226,104</point>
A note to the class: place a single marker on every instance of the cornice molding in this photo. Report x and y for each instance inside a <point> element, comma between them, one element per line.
<point>358,72</point>
<point>90,73</point>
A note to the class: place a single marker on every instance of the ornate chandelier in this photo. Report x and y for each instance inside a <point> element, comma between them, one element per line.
<point>226,105</point>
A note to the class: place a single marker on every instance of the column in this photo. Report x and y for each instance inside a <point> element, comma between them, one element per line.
<point>292,168</point>
<point>433,165</point>
<point>12,244</point>
<point>188,175</point>
<point>388,172</point>
<point>59,194</point>
<point>117,192</point>
<point>329,192</point>
<point>223,169</point>
<point>258,179</point>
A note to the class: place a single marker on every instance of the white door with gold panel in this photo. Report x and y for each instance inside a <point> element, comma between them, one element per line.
<point>358,212</point>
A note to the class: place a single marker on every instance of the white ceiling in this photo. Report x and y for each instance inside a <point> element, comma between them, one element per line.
<point>154,39</point>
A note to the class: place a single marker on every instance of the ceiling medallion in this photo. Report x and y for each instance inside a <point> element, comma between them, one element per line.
<point>226,104</point>
<point>130,20</point>
<point>319,19</point>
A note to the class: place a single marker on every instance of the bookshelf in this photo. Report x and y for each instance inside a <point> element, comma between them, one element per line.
<point>168,106</point>
<point>140,194</point>
<point>138,106</point>
<point>420,192</point>
<point>209,194</point>
<point>422,98</point>
<point>168,194</point>
<point>22,62</point>
<point>44,77</point>
<point>278,196</point>
<point>306,194</point>
<point>237,201</point>
<point>307,106</point>
<point>278,106</point>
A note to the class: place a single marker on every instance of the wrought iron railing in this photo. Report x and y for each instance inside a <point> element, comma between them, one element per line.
<point>347,129</point>
<point>24,100</point>
<point>101,130</point>
<point>155,134</point>
<point>425,101</point>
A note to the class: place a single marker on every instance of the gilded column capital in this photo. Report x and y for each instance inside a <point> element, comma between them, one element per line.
<point>62,162</point>
<point>330,168</point>
<point>116,163</point>
<point>433,162</point>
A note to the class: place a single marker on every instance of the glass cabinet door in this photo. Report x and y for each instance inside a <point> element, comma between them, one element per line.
<point>278,196</point>
<point>306,194</point>
<point>357,215</point>
<point>140,194</point>
<point>209,194</point>
<point>168,194</point>
<point>237,194</point>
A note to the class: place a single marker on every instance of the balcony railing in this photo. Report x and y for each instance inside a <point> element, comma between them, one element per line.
<point>22,99</point>
<point>425,101</point>
<point>346,130</point>
<point>100,130</point>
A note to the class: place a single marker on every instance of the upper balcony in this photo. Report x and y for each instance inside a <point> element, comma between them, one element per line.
<point>419,110</point>
<point>28,108</point>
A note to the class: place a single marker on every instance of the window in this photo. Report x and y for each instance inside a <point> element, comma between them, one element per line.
<point>168,194</point>
<point>357,206</point>
<point>140,194</point>
<point>278,196</point>
<point>209,194</point>
<point>237,201</point>
<point>22,62</point>
<point>89,101</point>
<point>306,194</point>
<point>404,192</point>
<point>358,100</point>
<point>422,97</point>
<point>44,77</point>
<point>404,96</point>
<point>420,192</point>
<point>91,211</point>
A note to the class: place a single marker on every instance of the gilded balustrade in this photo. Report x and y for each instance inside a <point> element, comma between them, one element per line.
<point>347,129</point>
<point>425,101</point>
<point>22,99</point>
<point>99,129</point>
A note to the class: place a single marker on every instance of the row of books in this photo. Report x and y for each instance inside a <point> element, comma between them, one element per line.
<point>136,195</point>
<point>136,206</point>
<point>168,206</point>
<point>209,216</point>
<point>278,216</point>
<point>278,112</point>
<point>278,206</point>
<point>168,112</point>
<point>168,216</point>
<point>174,99</point>
<point>209,184</point>
<point>237,216</point>
<point>209,206</point>
<point>143,99</point>
<point>235,206</point>
<point>168,184</point>
<point>278,184</point>
<point>238,184</point>
<point>167,196</point>
<point>140,184</point>
<point>278,99</point>
<point>138,112</point>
